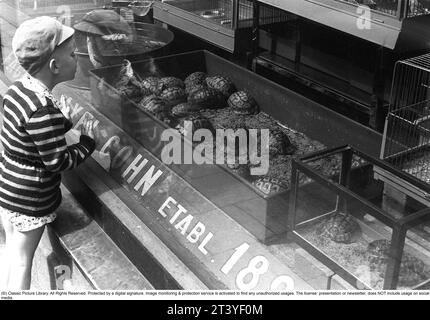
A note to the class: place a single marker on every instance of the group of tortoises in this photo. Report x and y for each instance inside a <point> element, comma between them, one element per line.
<point>341,227</point>
<point>174,101</point>
<point>412,270</point>
<point>176,98</point>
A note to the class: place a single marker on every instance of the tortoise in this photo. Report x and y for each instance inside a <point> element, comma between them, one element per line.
<point>195,78</point>
<point>170,82</point>
<point>184,109</point>
<point>173,95</point>
<point>222,84</point>
<point>340,227</point>
<point>243,103</point>
<point>195,87</point>
<point>279,143</point>
<point>412,270</point>
<point>132,89</point>
<point>154,105</point>
<point>268,185</point>
<point>197,121</point>
<point>153,85</point>
<point>127,84</point>
<point>205,98</point>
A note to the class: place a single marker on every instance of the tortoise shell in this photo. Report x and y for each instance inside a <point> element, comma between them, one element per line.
<point>170,82</point>
<point>222,84</point>
<point>268,185</point>
<point>153,85</point>
<point>195,87</point>
<point>412,270</point>
<point>243,103</point>
<point>154,105</point>
<point>184,109</point>
<point>205,98</point>
<point>279,143</point>
<point>340,227</point>
<point>378,251</point>
<point>194,79</point>
<point>173,95</point>
<point>198,122</point>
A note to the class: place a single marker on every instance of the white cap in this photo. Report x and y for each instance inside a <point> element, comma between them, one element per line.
<point>36,39</point>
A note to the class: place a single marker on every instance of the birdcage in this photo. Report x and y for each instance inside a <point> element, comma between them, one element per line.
<point>225,23</point>
<point>406,139</point>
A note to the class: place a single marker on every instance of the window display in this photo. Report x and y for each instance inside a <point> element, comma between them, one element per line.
<point>202,152</point>
<point>251,191</point>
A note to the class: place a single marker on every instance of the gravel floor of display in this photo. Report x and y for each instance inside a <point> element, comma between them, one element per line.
<point>354,257</point>
<point>280,165</point>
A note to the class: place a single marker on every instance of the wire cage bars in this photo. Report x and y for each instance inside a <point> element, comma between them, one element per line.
<point>406,139</point>
<point>232,14</point>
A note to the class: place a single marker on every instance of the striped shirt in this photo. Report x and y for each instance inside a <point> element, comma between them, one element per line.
<point>35,149</point>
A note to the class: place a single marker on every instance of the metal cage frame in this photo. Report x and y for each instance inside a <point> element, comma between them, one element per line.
<point>406,137</point>
<point>341,188</point>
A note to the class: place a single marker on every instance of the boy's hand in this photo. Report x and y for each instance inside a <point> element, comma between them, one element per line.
<point>87,127</point>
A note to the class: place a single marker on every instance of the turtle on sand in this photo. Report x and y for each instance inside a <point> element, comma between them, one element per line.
<point>412,270</point>
<point>243,103</point>
<point>339,227</point>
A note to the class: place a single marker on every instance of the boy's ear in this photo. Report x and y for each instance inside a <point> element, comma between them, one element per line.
<point>53,66</point>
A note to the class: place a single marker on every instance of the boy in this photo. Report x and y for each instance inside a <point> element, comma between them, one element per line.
<point>33,137</point>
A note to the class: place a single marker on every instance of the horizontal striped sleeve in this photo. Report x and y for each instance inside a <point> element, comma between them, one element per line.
<point>47,127</point>
<point>24,97</point>
<point>17,105</point>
